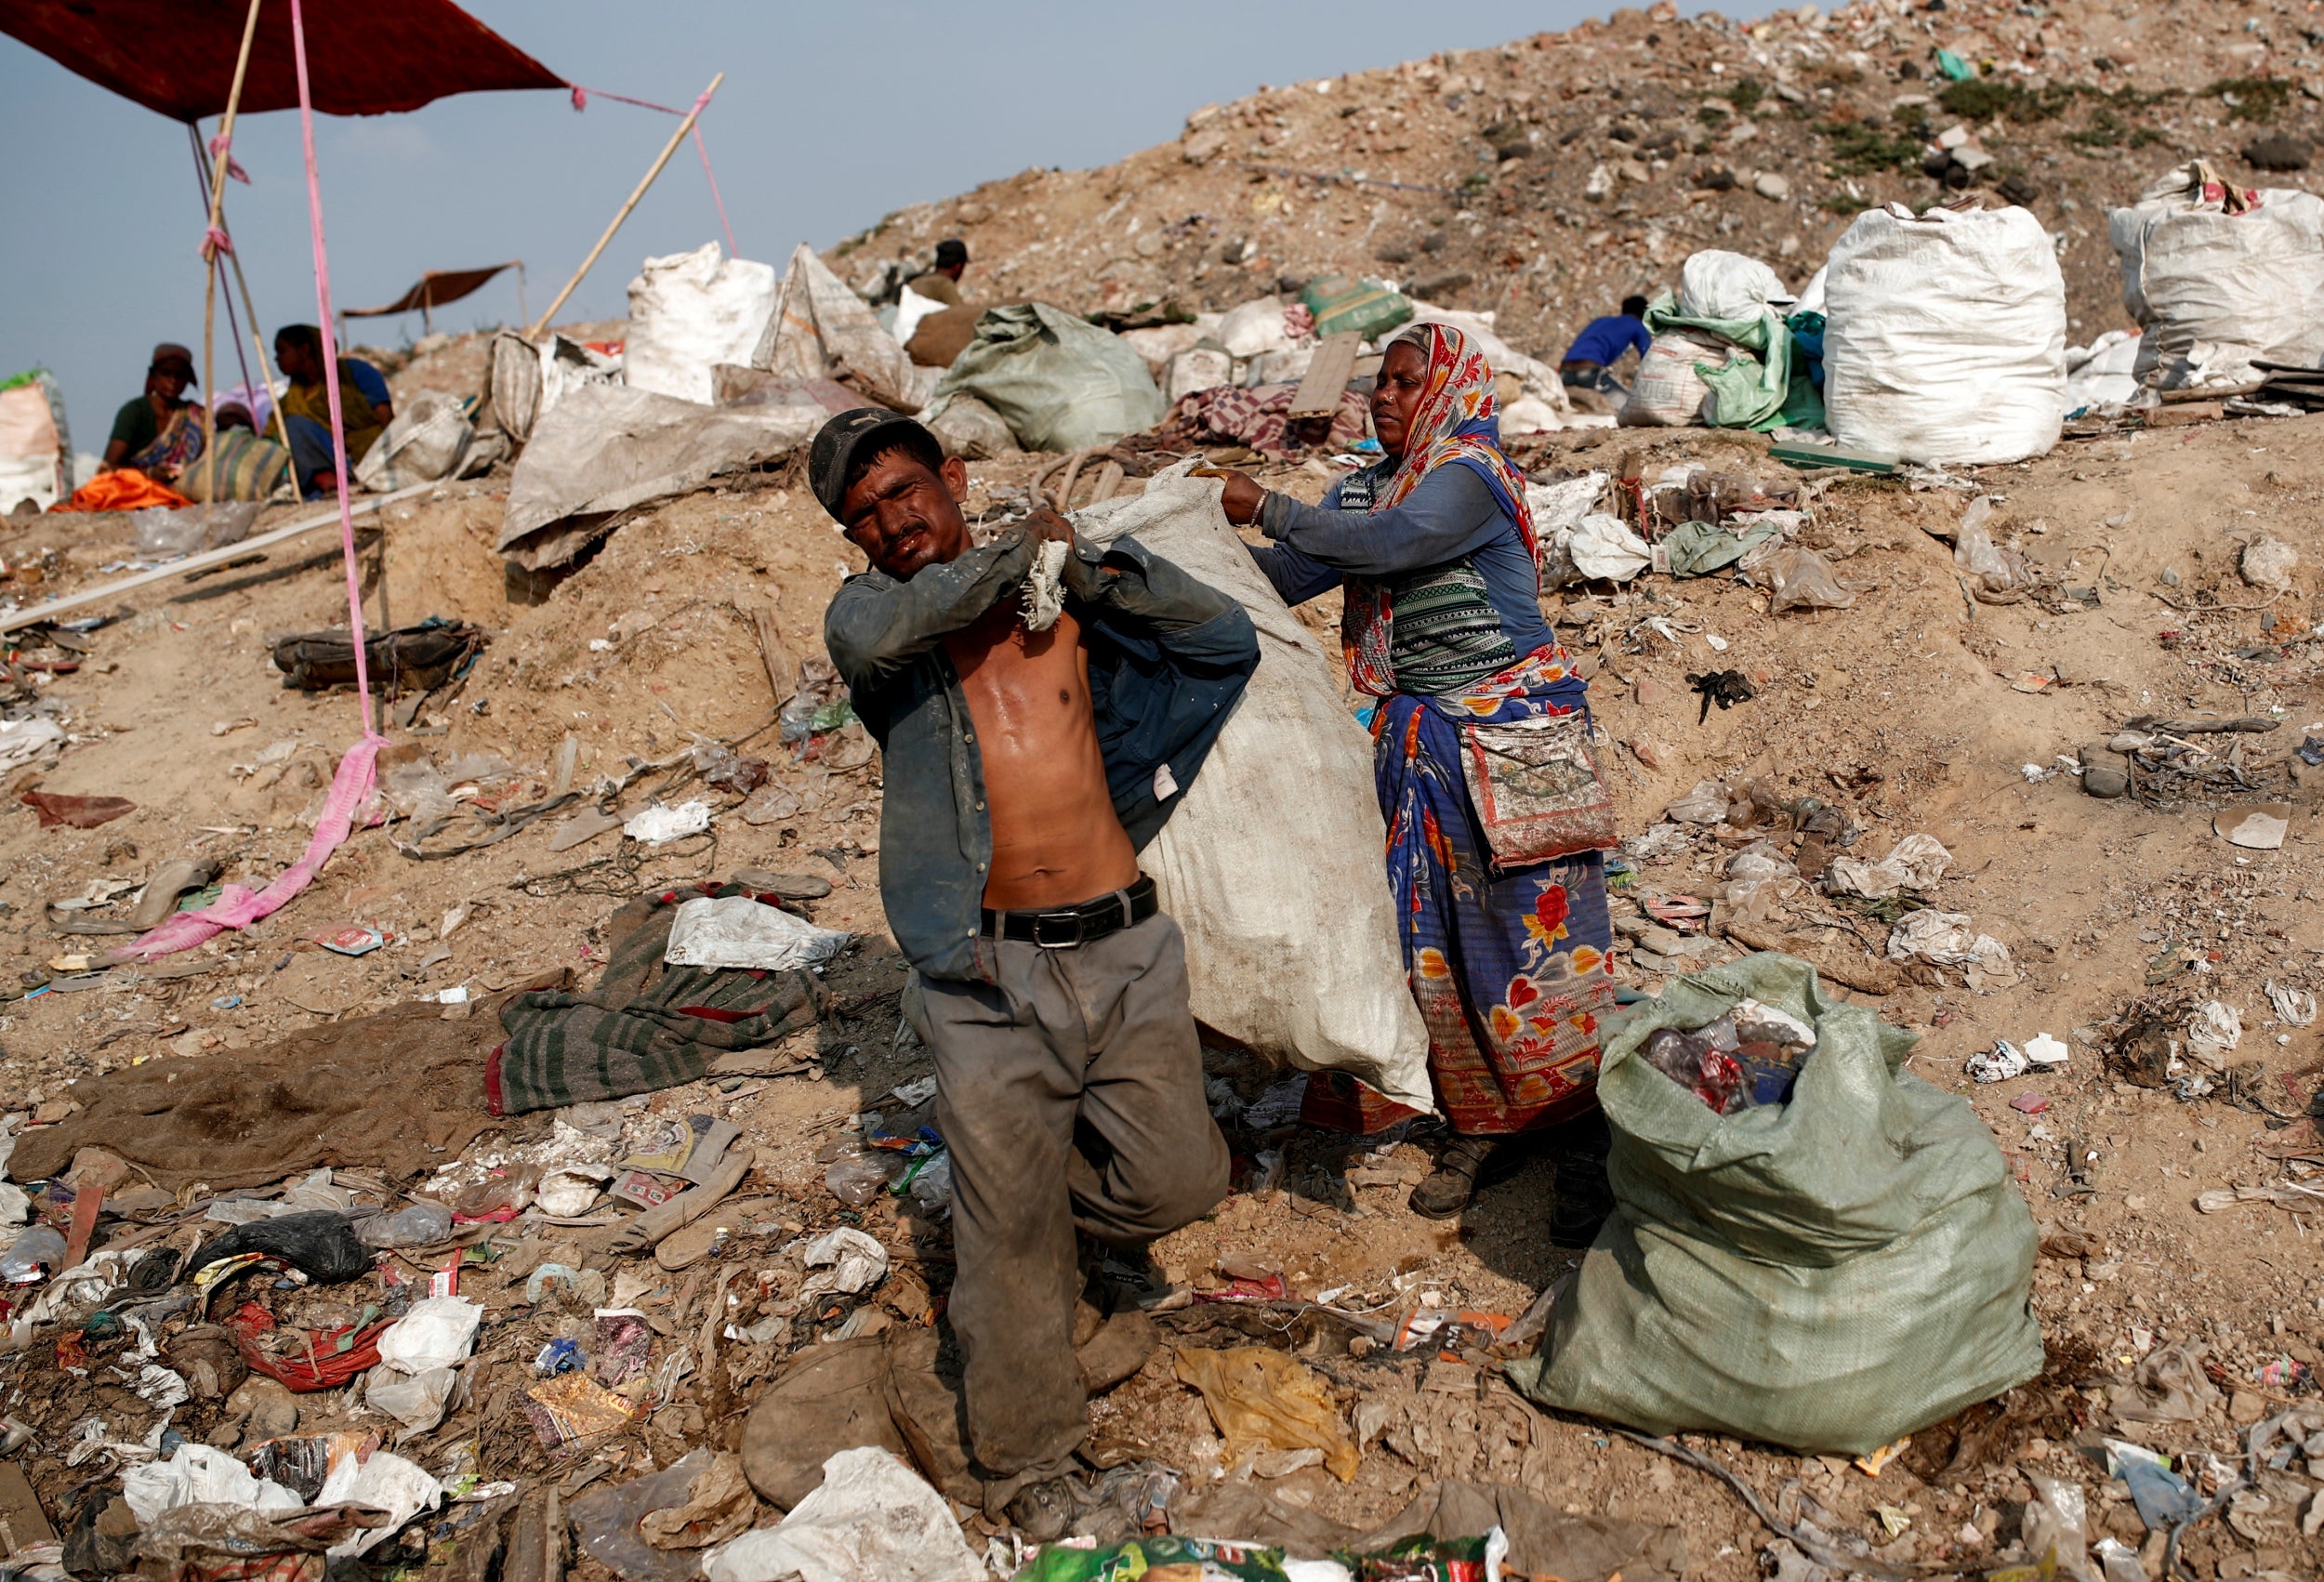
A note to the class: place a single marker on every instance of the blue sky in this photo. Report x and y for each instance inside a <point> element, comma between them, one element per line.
<point>831,116</point>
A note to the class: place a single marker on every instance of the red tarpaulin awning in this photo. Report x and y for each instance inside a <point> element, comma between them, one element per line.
<point>435,288</point>
<point>178,56</point>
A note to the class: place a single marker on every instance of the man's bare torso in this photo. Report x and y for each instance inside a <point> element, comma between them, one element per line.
<point>1056,838</point>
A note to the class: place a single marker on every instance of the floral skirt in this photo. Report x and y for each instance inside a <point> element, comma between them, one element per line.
<point>1508,967</point>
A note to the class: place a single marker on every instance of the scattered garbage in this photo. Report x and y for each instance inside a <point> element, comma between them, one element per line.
<point>871,1516</point>
<point>2213,1030</point>
<point>2261,828</point>
<point>1264,1401</point>
<point>657,825</point>
<point>1946,939</point>
<point>1915,862</point>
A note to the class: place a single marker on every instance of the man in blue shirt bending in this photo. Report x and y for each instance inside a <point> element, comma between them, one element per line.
<point>1589,362</point>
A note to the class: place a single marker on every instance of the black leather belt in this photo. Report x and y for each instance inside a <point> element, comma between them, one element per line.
<point>1065,926</point>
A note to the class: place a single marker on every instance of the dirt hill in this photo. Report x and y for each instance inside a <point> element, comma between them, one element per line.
<point>1549,177</point>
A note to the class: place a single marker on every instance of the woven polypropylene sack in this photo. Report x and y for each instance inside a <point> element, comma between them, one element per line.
<point>1668,392</point>
<point>691,312</point>
<point>1060,382</point>
<point>2216,290</point>
<point>1828,1274</point>
<point>1944,335</point>
<point>1272,865</point>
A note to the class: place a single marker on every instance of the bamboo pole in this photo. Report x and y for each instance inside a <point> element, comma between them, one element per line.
<point>218,202</point>
<point>667,149</point>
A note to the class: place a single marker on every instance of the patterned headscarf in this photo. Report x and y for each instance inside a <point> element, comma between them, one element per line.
<point>1457,421</point>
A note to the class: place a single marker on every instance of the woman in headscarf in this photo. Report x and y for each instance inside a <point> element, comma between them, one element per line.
<point>1502,905</point>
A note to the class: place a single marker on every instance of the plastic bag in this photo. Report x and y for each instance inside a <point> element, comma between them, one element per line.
<point>872,1516</point>
<point>1788,1273</point>
<point>2168,1385</point>
<point>1915,862</point>
<point>1998,570</point>
<point>418,1401</point>
<point>1945,939</point>
<point>1262,1400</point>
<point>1798,578</point>
<point>2055,1528</point>
<point>1602,547</point>
<point>38,1251</point>
<point>1705,804</point>
<point>739,932</point>
<point>857,1178</point>
<point>422,1224</point>
<point>608,1521</point>
<point>436,1333</point>
<point>321,1245</point>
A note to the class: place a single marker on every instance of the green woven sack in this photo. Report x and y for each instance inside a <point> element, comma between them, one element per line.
<point>1367,307</point>
<point>1828,1274</point>
<point>1061,383</point>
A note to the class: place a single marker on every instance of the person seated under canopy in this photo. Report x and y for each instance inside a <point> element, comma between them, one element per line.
<point>159,432</point>
<point>365,406</point>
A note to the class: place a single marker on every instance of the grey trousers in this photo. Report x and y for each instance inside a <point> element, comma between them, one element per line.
<point>1070,1094</point>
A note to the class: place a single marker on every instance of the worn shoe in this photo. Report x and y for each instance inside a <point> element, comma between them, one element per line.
<point>1466,1167</point>
<point>1585,1199</point>
<point>1116,1351</point>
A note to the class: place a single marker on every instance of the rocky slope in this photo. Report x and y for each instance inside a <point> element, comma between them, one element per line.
<point>1549,177</point>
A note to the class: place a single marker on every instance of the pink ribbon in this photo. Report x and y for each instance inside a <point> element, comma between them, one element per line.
<point>238,906</point>
<point>220,145</point>
<point>214,241</point>
<point>581,101</point>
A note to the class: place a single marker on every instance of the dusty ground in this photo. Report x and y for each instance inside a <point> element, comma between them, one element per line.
<point>1900,710</point>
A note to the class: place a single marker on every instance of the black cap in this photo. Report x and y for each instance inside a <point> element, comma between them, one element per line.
<point>838,442</point>
<point>951,250</point>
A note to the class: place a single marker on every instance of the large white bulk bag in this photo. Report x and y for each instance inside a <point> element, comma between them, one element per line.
<point>1944,335</point>
<point>691,312</point>
<point>1271,866</point>
<point>1715,284</point>
<point>2221,277</point>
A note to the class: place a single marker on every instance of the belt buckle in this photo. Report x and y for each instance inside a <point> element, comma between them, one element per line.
<point>1069,921</point>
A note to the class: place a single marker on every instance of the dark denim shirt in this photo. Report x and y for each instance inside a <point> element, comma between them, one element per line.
<point>1168,659</point>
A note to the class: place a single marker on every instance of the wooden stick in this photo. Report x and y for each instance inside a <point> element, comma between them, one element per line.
<point>771,653</point>
<point>218,161</point>
<point>1872,979</point>
<point>56,607</point>
<point>667,149</point>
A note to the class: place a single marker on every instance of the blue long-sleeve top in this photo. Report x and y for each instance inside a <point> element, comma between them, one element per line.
<point>1452,515</point>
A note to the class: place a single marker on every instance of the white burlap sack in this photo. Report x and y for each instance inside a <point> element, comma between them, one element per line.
<point>1273,865</point>
<point>1944,335</point>
<point>1668,392</point>
<point>2216,290</point>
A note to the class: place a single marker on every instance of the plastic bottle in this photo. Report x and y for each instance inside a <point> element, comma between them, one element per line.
<point>423,1224</point>
<point>38,1252</point>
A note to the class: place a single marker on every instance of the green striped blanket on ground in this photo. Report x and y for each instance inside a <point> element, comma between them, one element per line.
<point>646,1025</point>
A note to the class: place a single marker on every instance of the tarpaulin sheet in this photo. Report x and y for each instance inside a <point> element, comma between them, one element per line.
<point>178,56</point>
<point>435,288</point>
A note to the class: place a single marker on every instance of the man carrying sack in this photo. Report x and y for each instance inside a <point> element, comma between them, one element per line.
<point>1042,704</point>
